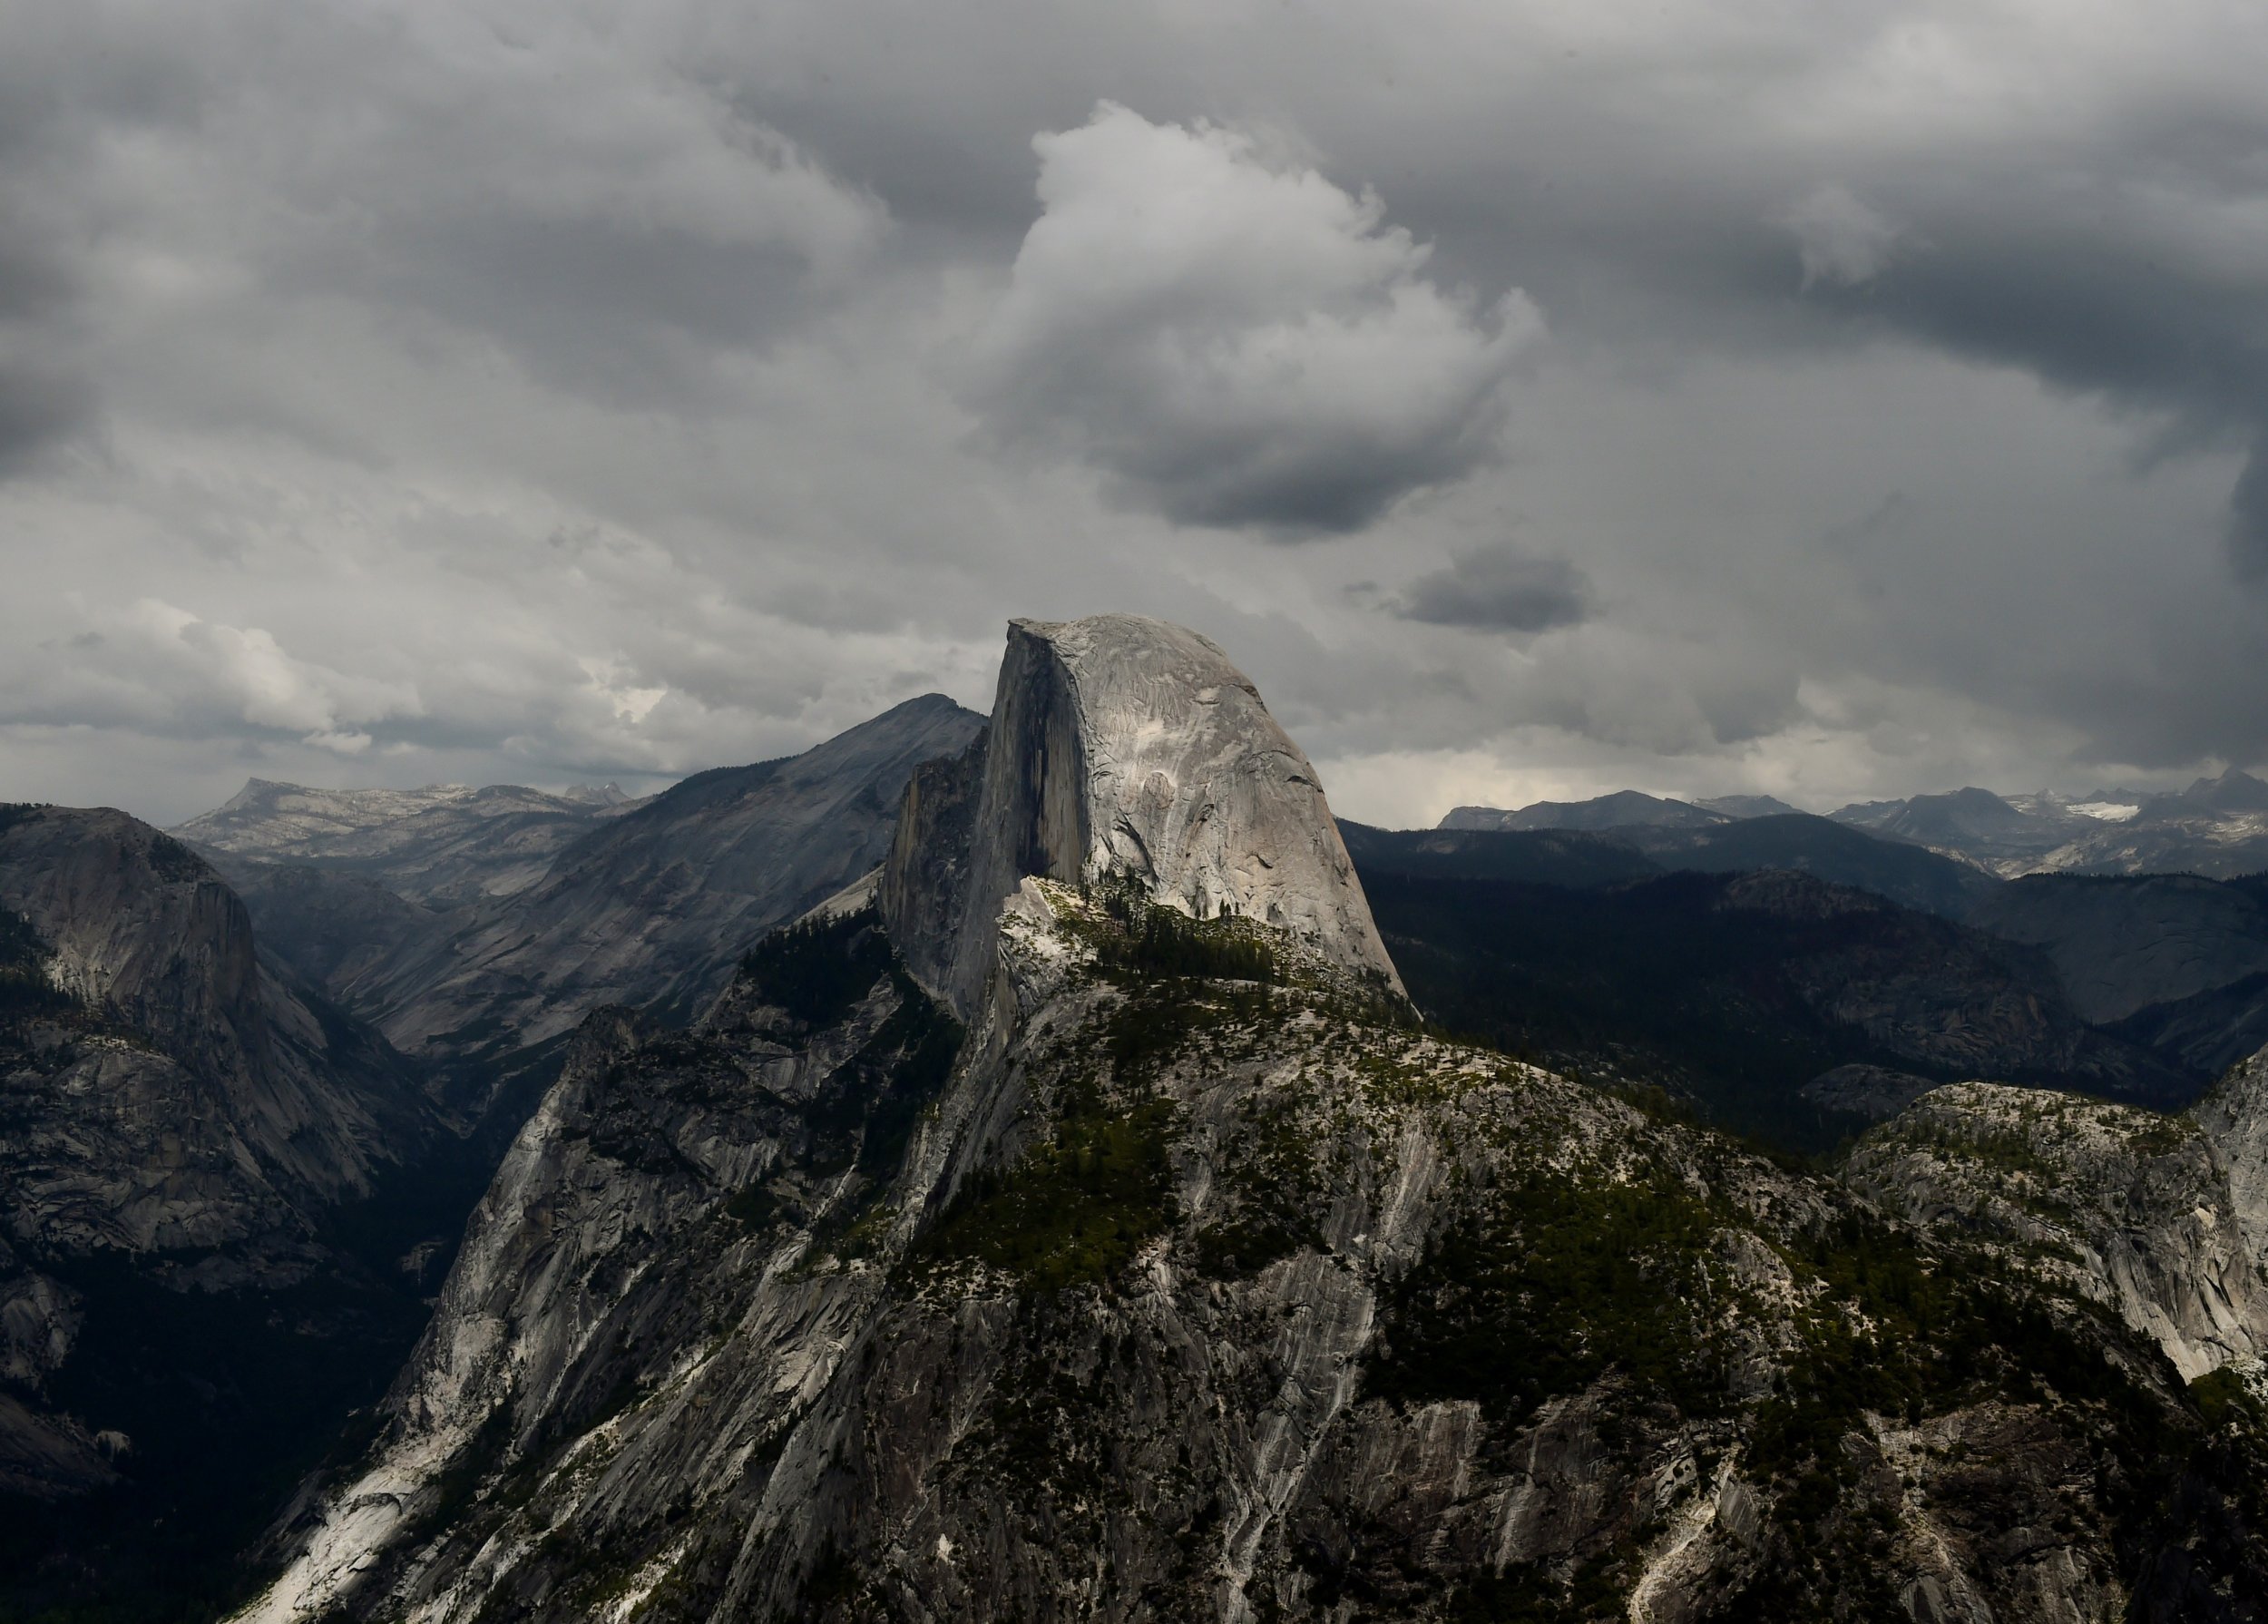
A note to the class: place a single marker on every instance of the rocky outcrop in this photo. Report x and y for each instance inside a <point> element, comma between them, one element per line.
<point>1122,747</point>
<point>2130,1207</point>
<point>1270,1311</point>
<point>1874,1093</point>
<point>174,1093</point>
<point>176,1122</point>
<point>2235,1117</point>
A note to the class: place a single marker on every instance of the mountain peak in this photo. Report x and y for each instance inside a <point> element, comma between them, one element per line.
<point>1126,747</point>
<point>2236,790</point>
<point>1746,806</point>
<point>1624,808</point>
<point>258,792</point>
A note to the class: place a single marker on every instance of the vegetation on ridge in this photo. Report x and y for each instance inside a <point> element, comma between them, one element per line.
<point>817,970</point>
<point>1076,1207</point>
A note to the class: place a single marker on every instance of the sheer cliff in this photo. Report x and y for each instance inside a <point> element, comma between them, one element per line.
<point>1079,1224</point>
<point>1122,747</point>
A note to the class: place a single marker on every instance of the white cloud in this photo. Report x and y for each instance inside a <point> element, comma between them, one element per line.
<point>616,685</point>
<point>1232,339</point>
<point>152,665</point>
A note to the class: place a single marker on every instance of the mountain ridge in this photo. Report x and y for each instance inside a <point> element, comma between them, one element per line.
<point>655,904</point>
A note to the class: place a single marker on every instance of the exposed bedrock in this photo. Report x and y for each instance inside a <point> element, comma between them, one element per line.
<point>1121,747</point>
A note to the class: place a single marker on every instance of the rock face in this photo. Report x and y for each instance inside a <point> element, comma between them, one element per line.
<point>2128,1208</point>
<point>654,906</point>
<point>2235,1117</point>
<point>45,1453</point>
<point>2209,1031</point>
<point>178,1126</point>
<point>1123,747</point>
<point>2123,944</point>
<point>1184,1279</point>
<point>177,1095</point>
<point>337,930</point>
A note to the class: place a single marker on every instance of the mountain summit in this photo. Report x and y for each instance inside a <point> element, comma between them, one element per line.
<point>1121,748</point>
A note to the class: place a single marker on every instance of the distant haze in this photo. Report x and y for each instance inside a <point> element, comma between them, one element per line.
<point>1832,403</point>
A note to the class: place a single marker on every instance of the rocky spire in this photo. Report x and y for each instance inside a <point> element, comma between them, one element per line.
<point>1121,746</point>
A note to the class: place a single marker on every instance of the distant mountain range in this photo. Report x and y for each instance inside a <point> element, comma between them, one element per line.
<point>2217,826</point>
<point>2172,963</point>
<point>1624,809</point>
<point>443,846</point>
<point>469,924</point>
<point>1796,841</point>
<point>473,926</point>
<point>1739,984</point>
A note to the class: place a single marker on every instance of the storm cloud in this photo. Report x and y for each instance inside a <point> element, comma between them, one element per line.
<point>1499,589</point>
<point>38,409</point>
<point>516,391</point>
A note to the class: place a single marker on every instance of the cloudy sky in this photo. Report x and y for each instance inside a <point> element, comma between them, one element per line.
<point>1536,398</point>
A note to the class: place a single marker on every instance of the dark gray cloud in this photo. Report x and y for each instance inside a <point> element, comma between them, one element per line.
<point>1499,589</point>
<point>38,409</point>
<point>828,337</point>
<point>2248,518</point>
